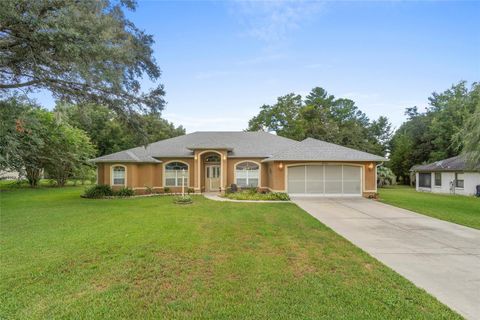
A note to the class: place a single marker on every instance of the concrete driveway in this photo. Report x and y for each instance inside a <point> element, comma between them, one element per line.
<point>441,257</point>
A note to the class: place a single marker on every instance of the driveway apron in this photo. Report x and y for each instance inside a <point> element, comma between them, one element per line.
<point>441,257</point>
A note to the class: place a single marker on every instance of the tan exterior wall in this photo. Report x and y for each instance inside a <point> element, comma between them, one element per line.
<point>272,174</point>
<point>138,175</point>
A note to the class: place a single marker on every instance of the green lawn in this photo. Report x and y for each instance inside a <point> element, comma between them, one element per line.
<point>67,257</point>
<point>458,209</point>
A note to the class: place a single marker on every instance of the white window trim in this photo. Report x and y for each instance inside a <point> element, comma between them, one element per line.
<point>111,175</point>
<point>165,178</point>
<point>432,183</point>
<point>259,171</point>
<point>455,176</point>
<point>435,180</point>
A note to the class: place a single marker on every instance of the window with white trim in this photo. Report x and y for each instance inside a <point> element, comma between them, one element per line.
<point>458,180</point>
<point>174,173</point>
<point>118,175</point>
<point>425,180</point>
<point>247,174</point>
<point>438,179</point>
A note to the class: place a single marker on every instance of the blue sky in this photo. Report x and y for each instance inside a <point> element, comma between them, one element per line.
<point>222,60</point>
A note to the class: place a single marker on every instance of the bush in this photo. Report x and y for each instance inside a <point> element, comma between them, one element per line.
<point>148,190</point>
<point>183,200</point>
<point>279,196</point>
<point>166,190</point>
<point>125,192</point>
<point>190,190</point>
<point>248,194</point>
<point>98,191</point>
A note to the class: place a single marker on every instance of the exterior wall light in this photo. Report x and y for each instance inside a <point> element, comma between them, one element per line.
<point>224,157</point>
<point>370,166</point>
<point>280,165</point>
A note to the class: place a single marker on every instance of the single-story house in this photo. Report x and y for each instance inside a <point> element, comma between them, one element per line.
<point>453,175</point>
<point>10,175</point>
<point>213,161</point>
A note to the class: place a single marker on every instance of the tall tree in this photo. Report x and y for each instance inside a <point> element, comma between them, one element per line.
<point>469,138</point>
<point>106,129</point>
<point>381,134</point>
<point>66,149</point>
<point>450,110</point>
<point>439,132</point>
<point>81,51</point>
<point>316,118</point>
<point>282,117</point>
<point>35,140</point>
<point>13,112</point>
<point>323,117</point>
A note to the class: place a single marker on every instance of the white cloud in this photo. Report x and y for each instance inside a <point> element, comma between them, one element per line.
<point>272,21</point>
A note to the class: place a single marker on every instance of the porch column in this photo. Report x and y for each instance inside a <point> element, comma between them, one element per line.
<point>223,170</point>
<point>196,172</point>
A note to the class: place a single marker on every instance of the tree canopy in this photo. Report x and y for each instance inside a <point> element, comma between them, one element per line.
<point>445,129</point>
<point>81,51</point>
<point>469,137</point>
<point>108,132</point>
<point>322,116</point>
<point>34,140</point>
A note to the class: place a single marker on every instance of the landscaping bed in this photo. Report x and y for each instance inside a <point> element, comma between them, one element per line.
<point>254,194</point>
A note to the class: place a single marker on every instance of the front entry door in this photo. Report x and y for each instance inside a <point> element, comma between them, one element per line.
<point>212,177</point>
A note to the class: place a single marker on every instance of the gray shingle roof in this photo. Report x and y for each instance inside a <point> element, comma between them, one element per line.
<point>458,163</point>
<point>138,154</point>
<point>317,150</point>
<point>241,144</point>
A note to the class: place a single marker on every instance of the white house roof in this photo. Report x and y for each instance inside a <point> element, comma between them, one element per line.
<point>458,163</point>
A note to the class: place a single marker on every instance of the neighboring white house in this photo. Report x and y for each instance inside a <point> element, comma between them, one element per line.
<point>452,175</point>
<point>9,175</point>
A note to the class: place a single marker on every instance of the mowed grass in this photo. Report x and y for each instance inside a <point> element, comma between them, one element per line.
<point>147,258</point>
<point>454,208</point>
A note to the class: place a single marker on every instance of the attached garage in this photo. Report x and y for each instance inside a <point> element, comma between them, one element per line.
<point>324,180</point>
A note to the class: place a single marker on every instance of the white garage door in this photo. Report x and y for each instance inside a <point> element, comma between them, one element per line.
<point>327,180</point>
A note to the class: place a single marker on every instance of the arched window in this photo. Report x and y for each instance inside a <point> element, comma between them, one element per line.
<point>247,174</point>
<point>118,175</point>
<point>174,172</point>
<point>212,158</point>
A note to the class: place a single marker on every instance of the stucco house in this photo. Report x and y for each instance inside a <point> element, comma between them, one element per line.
<point>212,161</point>
<point>453,175</point>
